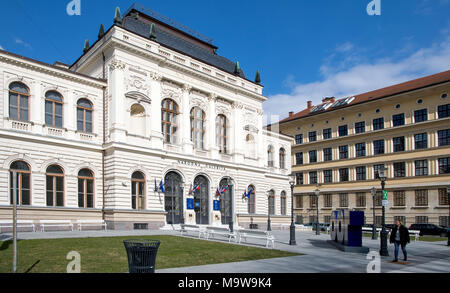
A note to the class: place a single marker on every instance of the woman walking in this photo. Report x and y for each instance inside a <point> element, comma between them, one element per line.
<point>400,237</point>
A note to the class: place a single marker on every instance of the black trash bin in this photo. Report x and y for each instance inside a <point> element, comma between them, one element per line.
<point>141,255</point>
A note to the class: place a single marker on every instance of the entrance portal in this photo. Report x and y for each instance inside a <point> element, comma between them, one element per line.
<point>225,202</point>
<point>173,199</point>
<point>201,200</point>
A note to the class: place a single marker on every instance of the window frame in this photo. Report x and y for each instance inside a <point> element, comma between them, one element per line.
<point>53,103</point>
<point>173,111</point>
<point>196,133</point>
<point>85,194</point>
<point>222,133</point>
<point>19,185</point>
<point>85,110</point>
<point>136,182</point>
<point>54,177</point>
<point>19,96</point>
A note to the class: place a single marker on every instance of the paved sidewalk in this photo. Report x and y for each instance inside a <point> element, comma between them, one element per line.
<point>319,256</point>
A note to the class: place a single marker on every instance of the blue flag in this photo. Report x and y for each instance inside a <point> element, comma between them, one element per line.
<point>156,186</point>
<point>161,187</point>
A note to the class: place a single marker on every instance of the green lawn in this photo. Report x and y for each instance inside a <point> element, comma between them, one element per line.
<point>420,238</point>
<point>108,255</point>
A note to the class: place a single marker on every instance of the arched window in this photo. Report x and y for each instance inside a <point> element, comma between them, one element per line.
<point>283,203</point>
<point>53,109</point>
<point>272,202</point>
<point>221,133</point>
<point>270,156</point>
<point>85,189</point>
<point>197,127</point>
<point>137,120</point>
<point>84,115</point>
<point>251,204</point>
<point>23,181</point>
<point>282,158</point>
<point>19,101</point>
<point>55,186</point>
<point>169,113</point>
<point>138,191</point>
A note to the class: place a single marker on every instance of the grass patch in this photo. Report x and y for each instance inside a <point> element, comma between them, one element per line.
<point>420,238</point>
<point>108,255</point>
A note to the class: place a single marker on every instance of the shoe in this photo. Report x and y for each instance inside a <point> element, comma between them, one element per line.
<point>395,260</point>
<point>405,259</point>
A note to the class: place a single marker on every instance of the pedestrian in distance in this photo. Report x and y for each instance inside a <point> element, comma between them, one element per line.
<point>400,237</point>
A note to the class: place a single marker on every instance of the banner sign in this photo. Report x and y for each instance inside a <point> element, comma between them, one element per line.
<point>216,204</point>
<point>190,204</point>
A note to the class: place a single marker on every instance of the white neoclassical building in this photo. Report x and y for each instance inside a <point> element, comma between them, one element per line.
<point>142,131</point>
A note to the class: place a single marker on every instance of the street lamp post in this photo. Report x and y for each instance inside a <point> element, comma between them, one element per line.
<point>269,228</point>
<point>383,241</point>
<point>292,228</point>
<point>374,225</point>
<point>317,192</point>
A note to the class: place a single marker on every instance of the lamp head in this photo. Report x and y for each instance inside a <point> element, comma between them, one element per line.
<point>291,180</point>
<point>382,173</point>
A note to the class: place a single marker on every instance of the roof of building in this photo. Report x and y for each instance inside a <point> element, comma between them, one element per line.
<point>171,37</point>
<point>386,92</point>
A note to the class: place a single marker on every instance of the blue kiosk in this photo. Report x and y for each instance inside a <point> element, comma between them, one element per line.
<point>346,230</point>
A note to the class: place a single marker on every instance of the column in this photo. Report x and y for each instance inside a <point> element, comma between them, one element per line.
<point>156,98</point>
<point>117,110</point>
<point>211,127</point>
<point>185,121</point>
<point>239,138</point>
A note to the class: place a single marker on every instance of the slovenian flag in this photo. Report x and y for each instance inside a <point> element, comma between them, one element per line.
<point>161,187</point>
<point>247,194</point>
<point>196,187</point>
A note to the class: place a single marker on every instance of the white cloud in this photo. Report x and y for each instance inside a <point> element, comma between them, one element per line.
<point>20,42</point>
<point>361,78</point>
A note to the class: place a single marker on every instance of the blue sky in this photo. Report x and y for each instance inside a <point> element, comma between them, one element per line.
<point>304,49</point>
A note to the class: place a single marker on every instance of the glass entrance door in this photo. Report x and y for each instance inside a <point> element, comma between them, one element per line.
<point>173,200</point>
<point>201,200</point>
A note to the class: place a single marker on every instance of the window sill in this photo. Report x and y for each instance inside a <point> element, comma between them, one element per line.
<point>398,207</point>
<point>420,207</point>
<point>443,207</point>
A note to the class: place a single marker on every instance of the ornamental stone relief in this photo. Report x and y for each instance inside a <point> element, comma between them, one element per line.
<point>116,64</point>
<point>135,83</point>
<point>171,91</point>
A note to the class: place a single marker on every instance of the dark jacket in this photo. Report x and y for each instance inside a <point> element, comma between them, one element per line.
<point>404,235</point>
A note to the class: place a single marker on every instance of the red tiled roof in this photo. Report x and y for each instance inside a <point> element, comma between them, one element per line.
<point>382,93</point>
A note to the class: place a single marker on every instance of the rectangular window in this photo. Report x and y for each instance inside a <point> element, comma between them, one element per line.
<point>376,169</point>
<point>443,221</point>
<point>299,202</point>
<point>398,120</point>
<point>312,219</point>
<point>343,175</point>
<point>327,219</point>
<point>360,127</point>
<point>378,147</point>
<point>328,154</point>
<point>378,198</point>
<point>313,177</point>
<point>299,139</point>
<point>421,167</point>
<point>444,165</point>
<point>313,136</point>
<point>399,198</point>
<point>343,130</point>
<point>360,149</point>
<point>421,197</point>
<point>378,123</point>
<point>400,169</point>
<point>444,111</point>
<point>312,201</point>
<point>327,134</point>
<point>299,220</point>
<point>327,176</point>
<point>421,220</point>
<point>328,200</point>
<point>343,152</point>
<point>420,141</point>
<point>343,200</point>
<point>361,173</point>
<point>313,156</point>
<point>399,144</point>
<point>299,178</point>
<point>360,199</point>
<point>443,197</point>
<point>402,219</point>
<point>444,137</point>
<point>378,220</point>
<point>420,115</point>
<point>299,158</point>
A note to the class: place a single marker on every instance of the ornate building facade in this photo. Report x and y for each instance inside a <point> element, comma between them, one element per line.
<point>148,127</point>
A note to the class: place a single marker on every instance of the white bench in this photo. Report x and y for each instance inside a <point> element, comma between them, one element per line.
<point>186,228</point>
<point>414,233</point>
<point>55,223</point>
<point>303,228</point>
<point>222,231</point>
<point>90,223</point>
<point>20,224</point>
<point>257,234</point>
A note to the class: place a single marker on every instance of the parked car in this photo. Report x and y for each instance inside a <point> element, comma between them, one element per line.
<point>429,229</point>
<point>322,226</point>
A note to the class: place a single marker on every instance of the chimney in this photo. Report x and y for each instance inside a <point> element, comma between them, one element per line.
<point>310,105</point>
<point>329,100</point>
<point>291,114</point>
